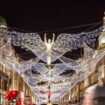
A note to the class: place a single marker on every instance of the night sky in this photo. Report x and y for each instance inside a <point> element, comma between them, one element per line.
<point>43,16</point>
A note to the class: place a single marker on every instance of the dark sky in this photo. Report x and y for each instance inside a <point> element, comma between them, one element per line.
<point>42,15</point>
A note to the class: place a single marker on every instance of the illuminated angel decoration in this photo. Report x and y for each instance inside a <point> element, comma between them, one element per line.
<point>39,75</point>
<point>52,50</point>
<point>49,43</point>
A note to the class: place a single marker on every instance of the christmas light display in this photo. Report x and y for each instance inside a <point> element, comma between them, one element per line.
<point>38,75</point>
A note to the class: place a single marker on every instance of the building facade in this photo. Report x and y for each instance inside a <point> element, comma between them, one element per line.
<point>11,80</point>
<point>97,77</point>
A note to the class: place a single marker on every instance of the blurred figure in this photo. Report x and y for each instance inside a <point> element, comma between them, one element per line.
<point>97,97</point>
<point>88,99</point>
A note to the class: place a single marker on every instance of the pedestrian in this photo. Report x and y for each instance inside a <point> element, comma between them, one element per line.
<point>99,95</point>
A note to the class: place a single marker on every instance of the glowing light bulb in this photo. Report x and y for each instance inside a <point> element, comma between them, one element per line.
<point>48,60</point>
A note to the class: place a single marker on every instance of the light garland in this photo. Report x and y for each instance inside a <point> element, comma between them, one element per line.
<point>68,81</point>
<point>39,75</point>
<point>64,42</point>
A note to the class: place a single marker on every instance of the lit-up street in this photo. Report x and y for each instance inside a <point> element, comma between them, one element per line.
<point>52,65</point>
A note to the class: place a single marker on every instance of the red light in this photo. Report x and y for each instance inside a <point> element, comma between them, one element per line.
<point>49,95</point>
<point>13,93</point>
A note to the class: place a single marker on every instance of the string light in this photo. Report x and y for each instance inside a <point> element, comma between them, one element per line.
<point>38,75</point>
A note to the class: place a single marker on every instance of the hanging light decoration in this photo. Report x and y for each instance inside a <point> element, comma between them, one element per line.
<point>38,75</point>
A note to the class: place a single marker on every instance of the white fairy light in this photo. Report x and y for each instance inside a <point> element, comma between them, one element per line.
<point>49,60</point>
<point>39,75</point>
